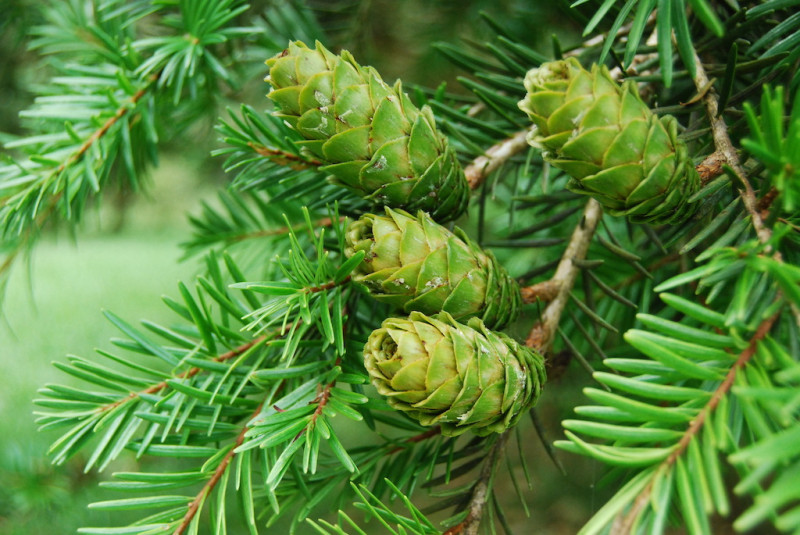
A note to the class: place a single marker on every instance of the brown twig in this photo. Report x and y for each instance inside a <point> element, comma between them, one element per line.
<point>480,492</point>
<point>432,432</point>
<point>766,201</point>
<point>284,158</point>
<point>542,333</point>
<point>544,291</point>
<point>201,496</point>
<point>321,400</point>
<point>477,171</point>
<point>324,222</point>
<point>726,150</point>
<point>724,146</point>
<point>711,167</point>
<point>327,286</point>
<point>624,524</point>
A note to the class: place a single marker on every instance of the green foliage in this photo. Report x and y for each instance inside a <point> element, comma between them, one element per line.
<point>251,409</point>
<point>778,150</point>
<point>671,19</point>
<point>97,121</point>
<point>383,514</point>
<point>667,420</point>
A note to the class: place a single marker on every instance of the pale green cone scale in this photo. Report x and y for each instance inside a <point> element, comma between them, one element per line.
<point>368,135</point>
<point>413,263</point>
<point>606,138</point>
<point>460,377</point>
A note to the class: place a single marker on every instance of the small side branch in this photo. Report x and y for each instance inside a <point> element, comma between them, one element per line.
<point>321,400</point>
<point>624,524</point>
<point>543,333</point>
<point>432,432</point>
<point>194,507</point>
<point>481,492</point>
<point>284,158</point>
<point>726,151</point>
<point>320,223</point>
<point>494,157</point>
<point>191,372</point>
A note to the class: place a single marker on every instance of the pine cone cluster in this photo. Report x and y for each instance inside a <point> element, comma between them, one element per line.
<point>443,364</point>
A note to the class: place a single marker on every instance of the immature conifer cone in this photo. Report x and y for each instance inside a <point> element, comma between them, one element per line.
<point>372,138</point>
<point>606,138</point>
<point>461,377</point>
<point>413,263</point>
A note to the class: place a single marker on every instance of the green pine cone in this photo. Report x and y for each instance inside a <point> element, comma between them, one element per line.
<point>371,137</point>
<point>606,138</point>
<point>462,377</point>
<point>413,263</point>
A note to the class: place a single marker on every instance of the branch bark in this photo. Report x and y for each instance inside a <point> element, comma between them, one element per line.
<point>494,157</point>
<point>725,149</point>
<point>542,334</point>
<point>481,492</point>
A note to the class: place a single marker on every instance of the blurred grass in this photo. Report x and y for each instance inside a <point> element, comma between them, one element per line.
<point>54,308</point>
<point>60,314</point>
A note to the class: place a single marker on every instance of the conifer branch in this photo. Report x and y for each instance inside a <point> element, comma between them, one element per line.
<point>191,372</point>
<point>100,132</point>
<point>480,492</point>
<point>324,222</point>
<point>44,215</point>
<point>321,400</point>
<point>726,150</point>
<point>543,332</point>
<point>194,506</point>
<point>114,117</point>
<point>624,524</point>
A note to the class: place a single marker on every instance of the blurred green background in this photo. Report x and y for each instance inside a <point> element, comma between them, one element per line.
<point>53,308</point>
<point>125,255</point>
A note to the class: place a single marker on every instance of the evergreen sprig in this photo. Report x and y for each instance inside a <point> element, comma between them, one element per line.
<point>118,70</point>
<point>776,148</point>
<point>667,419</point>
